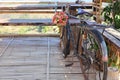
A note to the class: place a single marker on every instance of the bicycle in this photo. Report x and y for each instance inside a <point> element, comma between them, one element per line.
<point>89,47</point>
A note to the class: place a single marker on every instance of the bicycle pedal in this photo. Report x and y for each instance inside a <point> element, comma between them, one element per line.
<point>68,65</point>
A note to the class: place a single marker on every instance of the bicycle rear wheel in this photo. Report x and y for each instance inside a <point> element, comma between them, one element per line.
<point>90,52</point>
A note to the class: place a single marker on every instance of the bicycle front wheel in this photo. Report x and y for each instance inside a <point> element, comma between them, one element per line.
<point>91,45</point>
<point>65,41</point>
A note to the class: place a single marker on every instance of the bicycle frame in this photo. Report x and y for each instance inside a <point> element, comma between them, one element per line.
<point>79,47</point>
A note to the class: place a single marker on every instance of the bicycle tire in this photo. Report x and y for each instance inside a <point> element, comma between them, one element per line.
<point>66,42</point>
<point>90,52</point>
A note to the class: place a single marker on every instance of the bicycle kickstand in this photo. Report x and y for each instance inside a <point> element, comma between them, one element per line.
<point>70,64</point>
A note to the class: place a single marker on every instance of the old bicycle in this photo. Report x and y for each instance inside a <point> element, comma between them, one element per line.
<point>88,46</point>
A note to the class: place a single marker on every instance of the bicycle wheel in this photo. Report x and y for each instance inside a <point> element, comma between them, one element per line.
<point>91,50</point>
<point>65,42</point>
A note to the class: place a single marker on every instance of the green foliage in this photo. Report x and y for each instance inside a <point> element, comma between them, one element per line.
<point>23,30</point>
<point>111,14</point>
<point>28,29</point>
<point>107,14</point>
<point>116,14</point>
<point>113,58</point>
<point>94,44</point>
<point>50,29</point>
<point>117,21</point>
<point>114,61</point>
<point>116,7</point>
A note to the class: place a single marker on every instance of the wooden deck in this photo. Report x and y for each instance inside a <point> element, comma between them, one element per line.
<point>36,58</point>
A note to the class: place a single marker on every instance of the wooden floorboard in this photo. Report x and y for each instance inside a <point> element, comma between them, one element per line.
<point>26,59</point>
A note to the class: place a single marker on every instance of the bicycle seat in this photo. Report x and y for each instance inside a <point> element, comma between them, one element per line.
<point>83,12</point>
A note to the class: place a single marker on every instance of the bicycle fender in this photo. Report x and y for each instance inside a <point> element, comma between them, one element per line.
<point>102,44</point>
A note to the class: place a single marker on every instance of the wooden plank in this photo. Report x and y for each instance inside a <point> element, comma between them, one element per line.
<point>22,63</point>
<point>113,32</point>
<point>26,2</point>
<point>79,5</point>
<point>29,35</point>
<point>111,38</point>
<point>29,6</point>
<point>36,22</point>
<point>39,2</point>
<point>26,22</point>
<point>40,6</point>
<point>27,11</point>
<point>84,6</point>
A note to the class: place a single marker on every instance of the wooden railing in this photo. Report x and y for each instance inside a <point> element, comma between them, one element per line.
<point>111,38</point>
<point>29,8</point>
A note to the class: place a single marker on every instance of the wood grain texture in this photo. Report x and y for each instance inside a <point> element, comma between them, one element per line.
<point>26,59</point>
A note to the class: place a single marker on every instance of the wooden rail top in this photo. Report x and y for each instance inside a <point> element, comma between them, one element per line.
<point>40,6</point>
<point>109,33</point>
<point>27,11</point>
<point>45,22</point>
<point>29,6</point>
<point>84,6</point>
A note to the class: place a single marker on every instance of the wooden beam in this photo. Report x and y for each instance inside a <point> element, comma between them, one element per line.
<point>41,6</point>
<point>29,6</point>
<point>84,6</point>
<point>29,35</point>
<point>111,38</point>
<point>113,32</point>
<point>27,11</point>
<point>26,2</point>
<point>38,2</point>
<point>35,22</point>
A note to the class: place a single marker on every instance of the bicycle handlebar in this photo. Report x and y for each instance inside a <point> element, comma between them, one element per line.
<point>71,16</point>
<point>83,12</point>
<point>91,25</point>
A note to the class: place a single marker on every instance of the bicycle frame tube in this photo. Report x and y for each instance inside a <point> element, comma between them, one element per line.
<point>68,28</point>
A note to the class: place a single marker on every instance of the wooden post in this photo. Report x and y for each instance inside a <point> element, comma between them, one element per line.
<point>97,10</point>
<point>100,10</point>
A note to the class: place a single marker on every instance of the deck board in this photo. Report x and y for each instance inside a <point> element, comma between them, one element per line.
<point>26,59</point>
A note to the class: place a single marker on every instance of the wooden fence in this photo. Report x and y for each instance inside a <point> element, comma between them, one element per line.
<point>112,40</point>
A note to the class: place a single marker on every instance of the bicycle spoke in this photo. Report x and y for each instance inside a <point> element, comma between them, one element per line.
<point>91,59</point>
